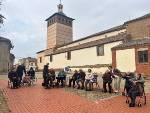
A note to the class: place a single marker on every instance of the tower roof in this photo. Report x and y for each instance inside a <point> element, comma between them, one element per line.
<point>59,13</point>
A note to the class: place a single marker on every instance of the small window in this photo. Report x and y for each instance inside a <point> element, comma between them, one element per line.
<point>100,50</point>
<point>143,56</point>
<point>31,64</point>
<point>69,55</point>
<point>40,59</point>
<point>51,58</point>
<point>59,19</point>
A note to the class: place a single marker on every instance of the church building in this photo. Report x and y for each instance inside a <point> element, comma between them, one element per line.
<point>126,46</point>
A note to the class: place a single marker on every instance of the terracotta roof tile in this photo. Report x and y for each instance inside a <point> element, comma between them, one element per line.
<point>133,43</point>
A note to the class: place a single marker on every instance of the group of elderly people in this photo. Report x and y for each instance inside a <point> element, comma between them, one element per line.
<point>134,83</point>
<point>15,76</point>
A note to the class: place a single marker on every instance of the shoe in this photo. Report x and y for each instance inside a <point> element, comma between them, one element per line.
<point>131,105</point>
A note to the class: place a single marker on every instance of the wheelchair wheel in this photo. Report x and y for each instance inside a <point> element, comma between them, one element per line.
<point>127,101</point>
<point>144,100</point>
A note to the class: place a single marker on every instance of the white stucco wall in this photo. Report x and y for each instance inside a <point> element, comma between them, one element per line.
<point>87,56</point>
<point>125,60</point>
<point>44,61</point>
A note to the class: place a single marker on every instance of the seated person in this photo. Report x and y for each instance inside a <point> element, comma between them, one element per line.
<point>13,77</point>
<point>88,80</point>
<point>107,79</point>
<point>27,79</point>
<point>137,89</point>
<point>31,73</point>
<point>52,73</point>
<point>61,77</point>
<point>80,79</point>
<point>50,78</point>
<point>73,78</point>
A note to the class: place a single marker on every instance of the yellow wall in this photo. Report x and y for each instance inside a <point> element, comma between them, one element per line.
<point>87,56</point>
<point>125,60</point>
<point>41,65</point>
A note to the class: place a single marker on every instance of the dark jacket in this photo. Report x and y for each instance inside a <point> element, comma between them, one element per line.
<point>128,82</point>
<point>20,70</point>
<point>45,71</point>
<point>107,77</point>
<point>31,73</point>
<point>81,75</point>
<point>75,75</point>
<point>12,75</point>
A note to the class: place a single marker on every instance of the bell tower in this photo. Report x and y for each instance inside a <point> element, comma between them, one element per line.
<point>59,29</point>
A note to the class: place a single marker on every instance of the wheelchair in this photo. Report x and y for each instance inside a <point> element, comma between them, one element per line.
<point>140,99</point>
<point>95,81</point>
<point>50,82</point>
<point>33,80</point>
<point>11,84</point>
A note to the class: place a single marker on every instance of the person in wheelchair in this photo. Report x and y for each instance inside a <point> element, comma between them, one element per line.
<point>26,80</point>
<point>31,73</point>
<point>137,89</point>
<point>50,78</point>
<point>13,77</point>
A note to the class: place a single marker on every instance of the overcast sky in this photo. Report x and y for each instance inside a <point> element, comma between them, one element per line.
<point>25,22</point>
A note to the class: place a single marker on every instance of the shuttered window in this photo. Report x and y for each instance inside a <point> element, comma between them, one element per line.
<point>69,55</point>
<point>143,56</point>
<point>100,50</point>
<point>51,58</point>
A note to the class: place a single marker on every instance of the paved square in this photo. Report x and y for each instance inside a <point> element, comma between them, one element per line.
<point>36,99</point>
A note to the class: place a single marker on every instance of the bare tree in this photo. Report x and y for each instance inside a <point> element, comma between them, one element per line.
<point>1,16</point>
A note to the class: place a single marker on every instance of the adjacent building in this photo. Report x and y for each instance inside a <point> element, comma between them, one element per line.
<point>28,63</point>
<point>6,58</point>
<point>125,46</point>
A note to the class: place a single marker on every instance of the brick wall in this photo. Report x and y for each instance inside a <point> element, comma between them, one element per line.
<point>114,58</point>
<point>142,68</point>
<point>139,29</point>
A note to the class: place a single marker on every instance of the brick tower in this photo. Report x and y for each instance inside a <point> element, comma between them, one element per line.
<point>59,29</point>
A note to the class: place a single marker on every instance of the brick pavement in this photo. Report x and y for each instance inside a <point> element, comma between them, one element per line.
<point>38,100</point>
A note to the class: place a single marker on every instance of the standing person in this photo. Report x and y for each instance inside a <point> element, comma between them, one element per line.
<point>73,79</point>
<point>107,79</point>
<point>116,74</point>
<point>20,70</point>
<point>81,78</point>
<point>88,79</point>
<point>128,82</point>
<point>45,73</point>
